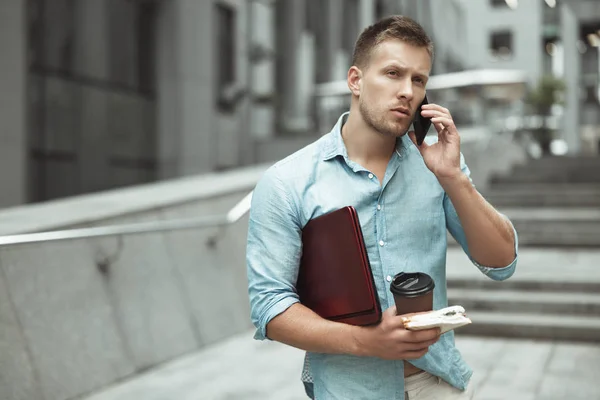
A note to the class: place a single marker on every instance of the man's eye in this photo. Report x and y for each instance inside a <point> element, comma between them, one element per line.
<point>393,73</point>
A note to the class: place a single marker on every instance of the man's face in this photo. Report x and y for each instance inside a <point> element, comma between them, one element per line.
<point>393,86</point>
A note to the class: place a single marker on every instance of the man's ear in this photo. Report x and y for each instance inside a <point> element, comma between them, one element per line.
<point>354,80</point>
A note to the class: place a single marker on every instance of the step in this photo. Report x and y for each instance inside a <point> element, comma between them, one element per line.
<point>558,232</point>
<point>533,326</point>
<point>551,165</point>
<point>566,159</point>
<point>583,169</point>
<point>556,226</point>
<point>545,194</point>
<point>552,214</point>
<point>558,239</point>
<point>554,302</point>
<point>560,163</point>
<point>537,186</point>
<point>544,198</point>
<point>552,235</point>
<point>588,177</point>
<point>544,201</point>
<point>558,187</point>
<point>543,284</point>
<point>552,170</point>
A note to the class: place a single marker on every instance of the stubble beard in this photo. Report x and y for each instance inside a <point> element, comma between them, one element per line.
<point>379,123</point>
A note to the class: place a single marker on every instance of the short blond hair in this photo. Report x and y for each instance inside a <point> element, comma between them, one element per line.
<point>394,27</point>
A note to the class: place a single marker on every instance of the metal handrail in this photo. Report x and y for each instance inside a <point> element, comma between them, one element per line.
<point>234,215</point>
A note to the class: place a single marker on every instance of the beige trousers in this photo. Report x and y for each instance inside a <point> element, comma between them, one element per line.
<point>424,386</point>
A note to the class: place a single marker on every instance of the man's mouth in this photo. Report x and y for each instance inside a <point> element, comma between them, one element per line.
<point>402,111</point>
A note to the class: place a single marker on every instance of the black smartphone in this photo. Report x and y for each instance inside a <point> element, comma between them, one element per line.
<point>421,124</point>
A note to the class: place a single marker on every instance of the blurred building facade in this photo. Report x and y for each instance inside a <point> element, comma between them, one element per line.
<point>545,37</point>
<point>98,94</point>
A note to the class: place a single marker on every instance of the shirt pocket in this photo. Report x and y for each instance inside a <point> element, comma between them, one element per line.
<point>415,219</point>
<point>417,232</point>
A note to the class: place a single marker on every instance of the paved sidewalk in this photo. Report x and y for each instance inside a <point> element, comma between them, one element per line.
<point>244,369</point>
<point>241,368</point>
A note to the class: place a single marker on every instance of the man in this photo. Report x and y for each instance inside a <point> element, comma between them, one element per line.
<point>406,196</point>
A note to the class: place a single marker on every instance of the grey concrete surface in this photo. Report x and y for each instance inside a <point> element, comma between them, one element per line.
<point>60,298</point>
<point>553,214</point>
<point>20,377</point>
<point>554,227</point>
<point>13,105</point>
<point>553,295</point>
<point>67,329</point>
<point>66,320</point>
<point>211,273</point>
<point>145,292</point>
<point>516,369</point>
<point>539,264</point>
<point>112,204</point>
<point>526,369</point>
<point>575,303</point>
<point>243,369</point>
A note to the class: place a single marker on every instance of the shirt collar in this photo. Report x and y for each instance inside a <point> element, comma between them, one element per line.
<point>334,144</point>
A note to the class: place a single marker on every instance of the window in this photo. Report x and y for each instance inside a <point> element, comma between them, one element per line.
<point>512,4</point>
<point>498,3</point>
<point>551,15</point>
<point>501,47</point>
<point>91,83</point>
<point>350,28</point>
<point>387,8</point>
<point>121,58</point>
<point>226,59</point>
<point>314,19</point>
<point>380,9</point>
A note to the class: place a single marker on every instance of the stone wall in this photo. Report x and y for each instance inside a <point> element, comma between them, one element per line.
<point>78,315</point>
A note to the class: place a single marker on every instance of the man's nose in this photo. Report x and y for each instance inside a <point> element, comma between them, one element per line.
<point>405,90</point>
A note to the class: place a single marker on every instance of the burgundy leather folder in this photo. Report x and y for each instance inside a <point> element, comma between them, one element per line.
<point>335,278</point>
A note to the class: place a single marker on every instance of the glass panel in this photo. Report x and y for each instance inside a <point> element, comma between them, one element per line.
<point>226,58</point>
<point>91,86</point>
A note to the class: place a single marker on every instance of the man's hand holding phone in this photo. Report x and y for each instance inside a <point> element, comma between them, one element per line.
<point>442,157</point>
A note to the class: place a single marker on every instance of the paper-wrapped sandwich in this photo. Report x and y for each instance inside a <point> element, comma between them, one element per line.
<point>446,319</point>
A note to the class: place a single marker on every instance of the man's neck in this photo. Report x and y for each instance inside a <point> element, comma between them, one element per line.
<point>364,144</point>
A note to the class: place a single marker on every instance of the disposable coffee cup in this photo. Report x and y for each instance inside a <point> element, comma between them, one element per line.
<point>413,292</point>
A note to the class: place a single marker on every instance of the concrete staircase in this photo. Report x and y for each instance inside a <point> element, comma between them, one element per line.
<point>550,310</point>
<point>553,201</point>
<point>556,227</point>
<point>553,169</point>
<point>534,195</point>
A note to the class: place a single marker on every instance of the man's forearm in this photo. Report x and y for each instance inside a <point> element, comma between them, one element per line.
<point>489,235</point>
<point>302,328</point>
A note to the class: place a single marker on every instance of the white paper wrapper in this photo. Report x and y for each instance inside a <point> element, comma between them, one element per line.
<point>446,319</point>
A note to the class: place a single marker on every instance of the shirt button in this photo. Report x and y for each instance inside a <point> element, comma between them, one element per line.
<point>381,243</point>
<point>370,176</point>
<point>388,278</point>
<point>378,207</point>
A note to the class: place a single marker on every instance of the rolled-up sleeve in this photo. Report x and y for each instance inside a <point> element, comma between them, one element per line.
<point>273,251</point>
<point>456,230</point>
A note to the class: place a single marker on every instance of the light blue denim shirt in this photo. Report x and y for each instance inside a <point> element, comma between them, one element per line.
<point>404,223</point>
